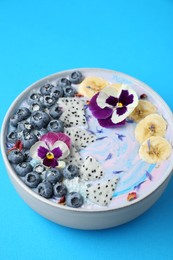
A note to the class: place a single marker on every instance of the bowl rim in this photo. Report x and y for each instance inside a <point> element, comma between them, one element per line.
<point>50,77</point>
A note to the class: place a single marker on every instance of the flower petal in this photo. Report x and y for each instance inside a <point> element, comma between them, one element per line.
<point>101,100</point>
<point>107,123</point>
<point>64,149</point>
<point>112,101</point>
<point>121,111</point>
<point>98,112</point>
<point>125,98</point>
<point>33,150</point>
<point>50,162</point>
<point>57,152</point>
<point>52,137</point>
<point>42,151</point>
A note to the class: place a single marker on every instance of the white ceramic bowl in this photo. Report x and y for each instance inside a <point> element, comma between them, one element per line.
<point>96,218</point>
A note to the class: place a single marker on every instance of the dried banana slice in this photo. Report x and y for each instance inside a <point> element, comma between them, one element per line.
<point>151,125</point>
<point>92,85</point>
<point>143,109</point>
<point>155,149</point>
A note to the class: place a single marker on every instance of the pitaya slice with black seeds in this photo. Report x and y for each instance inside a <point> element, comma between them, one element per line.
<point>91,169</point>
<point>73,112</point>
<point>101,194</point>
<point>66,103</point>
<point>74,157</point>
<point>80,138</point>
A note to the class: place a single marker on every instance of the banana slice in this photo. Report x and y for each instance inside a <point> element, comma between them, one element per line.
<point>151,125</point>
<point>143,109</point>
<point>91,85</point>
<point>155,149</point>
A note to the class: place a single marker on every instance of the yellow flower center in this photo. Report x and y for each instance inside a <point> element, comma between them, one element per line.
<point>49,155</point>
<point>119,104</point>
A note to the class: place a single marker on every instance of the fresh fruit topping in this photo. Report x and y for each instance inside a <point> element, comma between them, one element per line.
<point>15,156</point>
<point>57,92</point>
<point>32,179</point>
<point>71,171</point>
<point>80,138</point>
<point>34,97</point>
<point>55,126</point>
<point>59,190</point>
<point>76,77</point>
<point>46,89</point>
<point>45,189</point>
<point>91,169</point>
<point>74,200</point>
<point>55,111</point>
<point>28,139</point>
<point>74,157</point>
<point>53,175</point>
<point>21,114</point>
<point>23,168</point>
<point>39,119</point>
<point>102,193</point>
<point>63,82</point>
<point>12,136</point>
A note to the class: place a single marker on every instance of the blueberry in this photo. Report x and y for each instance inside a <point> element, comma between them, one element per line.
<point>45,189</point>
<point>39,168</point>
<point>55,126</point>
<point>21,114</point>
<point>37,105</point>
<point>71,171</point>
<point>24,126</point>
<point>74,199</point>
<point>76,77</point>
<point>12,137</point>
<point>28,139</point>
<point>69,91</point>
<point>27,157</point>
<point>46,89</point>
<point>59,190</point>
<point>53,175</point>
<point>15,156</point>
<point>34,97</point>
<point>40,132</point>
<point>48,101</point>
<point>32,179</point>
<point>62,82</point>
<point>55,111</point>
<point>39,119</point>
<point>23,168</point>
<point>57,92</point>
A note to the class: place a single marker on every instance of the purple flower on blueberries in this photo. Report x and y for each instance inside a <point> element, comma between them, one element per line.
<point>111,106</point>
<point>51,148</point>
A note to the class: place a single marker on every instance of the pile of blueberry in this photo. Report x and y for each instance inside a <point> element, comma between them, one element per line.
<point>27,125</point>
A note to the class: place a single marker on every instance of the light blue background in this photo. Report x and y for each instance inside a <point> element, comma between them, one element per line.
<point>38,38</point>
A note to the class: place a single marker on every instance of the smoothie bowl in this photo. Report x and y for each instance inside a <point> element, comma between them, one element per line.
<point>88,148</point>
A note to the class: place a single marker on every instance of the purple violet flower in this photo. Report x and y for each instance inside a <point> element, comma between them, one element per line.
<point>51,148</point>
<point>111,106</point>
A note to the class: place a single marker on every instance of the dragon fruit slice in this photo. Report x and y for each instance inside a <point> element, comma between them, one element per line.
<point>101,194</point>
<point>66,103</point>
<point>80,138</point>
<point>73,112</point>
<point>91,169</point>
<point>74,157</point>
